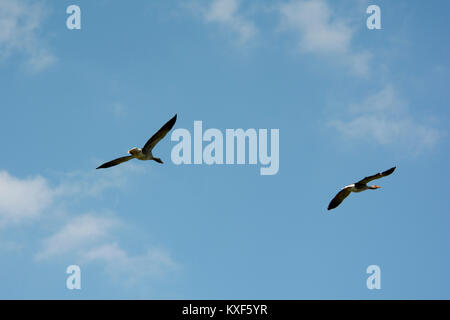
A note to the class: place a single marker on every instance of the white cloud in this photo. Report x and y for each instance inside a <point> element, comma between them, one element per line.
<point>226,13</point>
<point>386,119</point>
<point>20,21</point>
<point>88,239</point>
<point>23,199</point>
<point>323,33</point>
<point>91,184</point>
<point>385,100</point>
<point>77,233</point>
<point>120,264</point>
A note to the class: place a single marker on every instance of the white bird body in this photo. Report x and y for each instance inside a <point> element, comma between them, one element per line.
<point>353,188</point>
<point>138,154</point>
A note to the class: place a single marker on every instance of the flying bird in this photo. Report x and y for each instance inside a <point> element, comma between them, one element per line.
<point>358,187</point>
<point>146,152</point>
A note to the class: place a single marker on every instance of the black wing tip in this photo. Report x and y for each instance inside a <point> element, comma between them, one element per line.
<point>389,171</point>
<point>332,205</point>
<point>171,122</point>
<point>104,165</point>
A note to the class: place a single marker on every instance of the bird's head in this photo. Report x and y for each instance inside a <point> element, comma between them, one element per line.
<point>374,187</point>
<point>134,151</point>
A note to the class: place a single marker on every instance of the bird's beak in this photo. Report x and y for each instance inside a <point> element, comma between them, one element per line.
<point>377,187</point>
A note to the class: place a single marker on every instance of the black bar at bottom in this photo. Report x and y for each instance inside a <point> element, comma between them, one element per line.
<point>225,309</point>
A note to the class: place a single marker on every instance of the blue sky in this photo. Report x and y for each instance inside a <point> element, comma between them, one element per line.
<point>348,102</point>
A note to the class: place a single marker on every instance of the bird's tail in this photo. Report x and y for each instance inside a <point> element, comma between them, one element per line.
<point>158,160</point>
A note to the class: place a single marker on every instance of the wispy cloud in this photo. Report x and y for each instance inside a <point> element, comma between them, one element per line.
<point>154,262</point>
<point>20,21</point>
<point>82,184</point>
<point>323,33</point>
<point>90,238</point>
<point>384,117</point>
<point>226,13</point>
<point>23,199</point>
<point>77,233</point>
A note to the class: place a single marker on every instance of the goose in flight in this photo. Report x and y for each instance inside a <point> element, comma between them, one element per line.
<point>357,187</point>
<point>146,152</point>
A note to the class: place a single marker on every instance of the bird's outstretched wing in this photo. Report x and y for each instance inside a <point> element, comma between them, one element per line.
<point>115,162</point>
<point>376,176</point>
<point>151,143</point>
<point>339,198</point>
